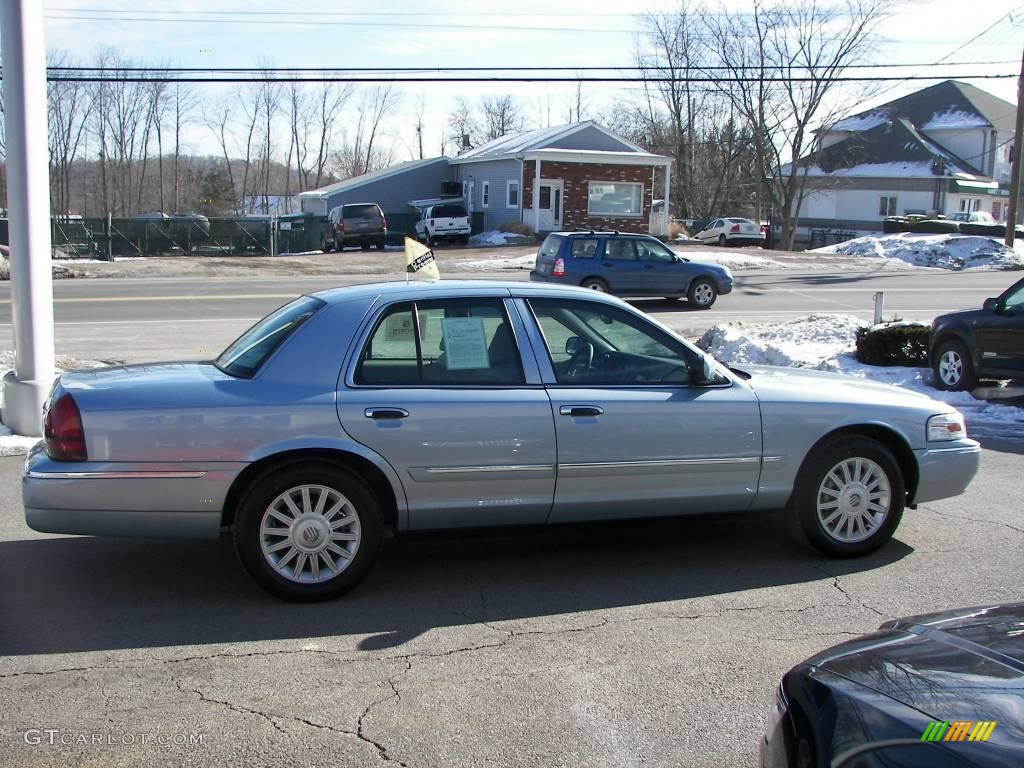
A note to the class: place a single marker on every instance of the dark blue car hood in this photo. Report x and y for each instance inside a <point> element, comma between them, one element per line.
<point>958,665</point>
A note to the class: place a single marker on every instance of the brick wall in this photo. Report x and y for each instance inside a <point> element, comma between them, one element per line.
<point>574,205</point>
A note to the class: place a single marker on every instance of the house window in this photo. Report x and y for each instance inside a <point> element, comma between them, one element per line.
<point>887,206</point>
<point>997,210</point>
<point>512,194</point>
<point>615,198</point>
<point>970,204</point>
<point>485,194</point>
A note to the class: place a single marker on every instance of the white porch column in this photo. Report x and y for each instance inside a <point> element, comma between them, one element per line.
<point>668,197</point>
<point>28,201</point>
<point>536,196</point>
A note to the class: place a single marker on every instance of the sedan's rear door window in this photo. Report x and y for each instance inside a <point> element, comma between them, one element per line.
<point>460,342</point>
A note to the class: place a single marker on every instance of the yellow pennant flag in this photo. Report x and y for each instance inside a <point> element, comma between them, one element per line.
<point>419,260</point>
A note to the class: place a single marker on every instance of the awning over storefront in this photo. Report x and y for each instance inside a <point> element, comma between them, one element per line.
<point>976,187</point>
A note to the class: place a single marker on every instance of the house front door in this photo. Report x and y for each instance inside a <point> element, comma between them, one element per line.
<point>549,206</point>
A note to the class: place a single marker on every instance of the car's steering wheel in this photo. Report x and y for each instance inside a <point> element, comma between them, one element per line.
<point>581,360</point>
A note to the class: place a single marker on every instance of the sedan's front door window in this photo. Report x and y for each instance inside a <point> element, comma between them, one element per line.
<point>599,344</point>
<point>649,251</point>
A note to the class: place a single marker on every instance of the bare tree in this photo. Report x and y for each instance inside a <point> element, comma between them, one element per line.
<point>218,117</point>
<point>501,115</point>
<point>330,100</point>
<point>362,154</point>
<point>798,52</point>
<point>68,115</point>
<point>183,102</point>
<point>462,123</point>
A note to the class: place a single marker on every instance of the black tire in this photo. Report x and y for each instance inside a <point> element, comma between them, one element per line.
<point>380,245</point>
<point>255,503</point>
<point>364,246</point>
<point>339,247</point>
<point>595,284</point>
<point>465,239</point>
<point>952,366</point>
<point>815,482</point>
<point>723,241</point>
<point>702,293</point>
<point>323,245</point>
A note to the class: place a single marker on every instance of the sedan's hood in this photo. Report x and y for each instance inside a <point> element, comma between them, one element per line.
<point>962,665</point>
<point>803,385</point>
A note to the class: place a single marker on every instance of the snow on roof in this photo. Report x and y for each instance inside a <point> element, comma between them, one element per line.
<point>954,118</point>
<point>863,122</point>
<point>514,144</point>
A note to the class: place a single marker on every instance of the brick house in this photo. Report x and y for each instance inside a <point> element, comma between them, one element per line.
<point>577,176</point>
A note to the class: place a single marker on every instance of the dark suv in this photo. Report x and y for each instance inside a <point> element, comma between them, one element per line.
<point>354,224</point>
<point>628,265</point>
<point>980,343</point>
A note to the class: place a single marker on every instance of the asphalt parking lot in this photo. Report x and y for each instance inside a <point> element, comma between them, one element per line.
<point>614,645</point>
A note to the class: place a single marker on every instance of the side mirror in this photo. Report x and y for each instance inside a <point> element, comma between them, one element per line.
<point>991,305</point>
<point>573,345</point>
<point>706,373</point>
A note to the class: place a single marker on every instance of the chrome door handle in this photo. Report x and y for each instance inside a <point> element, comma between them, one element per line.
<point>580,410</point>
<point>385,413</point>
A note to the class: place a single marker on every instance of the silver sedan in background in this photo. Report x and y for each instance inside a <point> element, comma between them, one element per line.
<point>452,404</point>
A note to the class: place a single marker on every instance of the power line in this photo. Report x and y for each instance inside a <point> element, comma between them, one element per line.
<point>505,79</point>
<point>443,69</point>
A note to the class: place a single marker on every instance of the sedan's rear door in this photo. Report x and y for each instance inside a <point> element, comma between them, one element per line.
<point>636,436</point>
<point>441,391</point>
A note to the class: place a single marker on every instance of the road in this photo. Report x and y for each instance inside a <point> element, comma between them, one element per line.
<point>653,644</point>
<point>143,320</point>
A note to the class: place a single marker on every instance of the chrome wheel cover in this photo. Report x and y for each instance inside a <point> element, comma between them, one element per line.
<point>704,294</point>
<point>951,367</point>
<point>853,500</point>
<point>310,534</point>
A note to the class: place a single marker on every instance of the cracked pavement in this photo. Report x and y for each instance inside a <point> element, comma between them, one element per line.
<point>654,644</point>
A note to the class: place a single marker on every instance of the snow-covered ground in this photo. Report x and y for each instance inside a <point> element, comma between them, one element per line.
<point>17,445</point>
<point>940,251</point>
<point>731,260</point>
<point>495,237</point>
<point>825,342</point>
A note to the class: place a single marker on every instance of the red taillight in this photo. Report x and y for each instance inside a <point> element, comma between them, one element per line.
<point>341,226</point>
<point>735,228</point>
<point>383,222</point>
<point>62,429</point>
<point>559,269</point>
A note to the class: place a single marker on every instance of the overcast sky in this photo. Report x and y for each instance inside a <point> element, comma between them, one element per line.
<point>460,33</point>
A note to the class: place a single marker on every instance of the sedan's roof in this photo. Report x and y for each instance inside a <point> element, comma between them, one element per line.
<point>416,289</point>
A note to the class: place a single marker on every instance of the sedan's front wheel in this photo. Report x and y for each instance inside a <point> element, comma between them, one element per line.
<point>702,293</point>
<point>849,497</point>
<point>308,532</point>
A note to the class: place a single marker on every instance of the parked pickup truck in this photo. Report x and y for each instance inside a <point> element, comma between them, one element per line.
<point>445,221</point>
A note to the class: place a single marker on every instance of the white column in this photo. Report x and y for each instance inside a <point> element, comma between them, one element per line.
<point>28,202</point>
<point>668,196</point>
<point>536,197</point>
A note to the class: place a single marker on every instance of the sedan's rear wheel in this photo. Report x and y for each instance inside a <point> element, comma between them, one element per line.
<point>595,284</point>
<point>722,241</point>
<point>849,497</point>
<point>953,367</point>
<point>308,532</point>
<point>702,293</point>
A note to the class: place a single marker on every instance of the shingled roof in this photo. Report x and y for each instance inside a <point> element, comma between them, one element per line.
<point>891,148</point>
<point>949,104</point>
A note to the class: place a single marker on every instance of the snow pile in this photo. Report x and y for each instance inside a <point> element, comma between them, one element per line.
<point>825,342</point>
<point>17,445</point>
<point>942,251</point>
<point>495,237</point>
<point>526,261</point>
<point>731,260</point>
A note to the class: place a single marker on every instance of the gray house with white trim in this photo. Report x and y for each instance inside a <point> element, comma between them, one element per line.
<point>577,176</point>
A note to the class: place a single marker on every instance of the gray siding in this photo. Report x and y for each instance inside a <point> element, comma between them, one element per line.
<point>497,172</point>
<point>590,138</point>
<point>394,193</point>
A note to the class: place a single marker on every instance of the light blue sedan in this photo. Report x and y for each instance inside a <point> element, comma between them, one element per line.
<point>425,406</point>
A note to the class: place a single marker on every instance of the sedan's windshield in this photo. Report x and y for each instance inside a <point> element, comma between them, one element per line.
<point>246,354</point>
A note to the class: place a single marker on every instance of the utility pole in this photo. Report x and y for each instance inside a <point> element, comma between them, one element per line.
<point>28,193</point>
<point>1015,174</point>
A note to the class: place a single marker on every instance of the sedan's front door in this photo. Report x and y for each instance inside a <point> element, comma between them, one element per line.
<point>661,271</point>
<point>1000,333</point>
<point>441,391</point>
<point>636,435</point>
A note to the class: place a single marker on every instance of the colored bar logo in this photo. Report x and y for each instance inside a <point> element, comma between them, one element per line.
<point>958,730</point>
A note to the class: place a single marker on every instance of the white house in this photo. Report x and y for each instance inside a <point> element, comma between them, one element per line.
<point>940,150</point>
